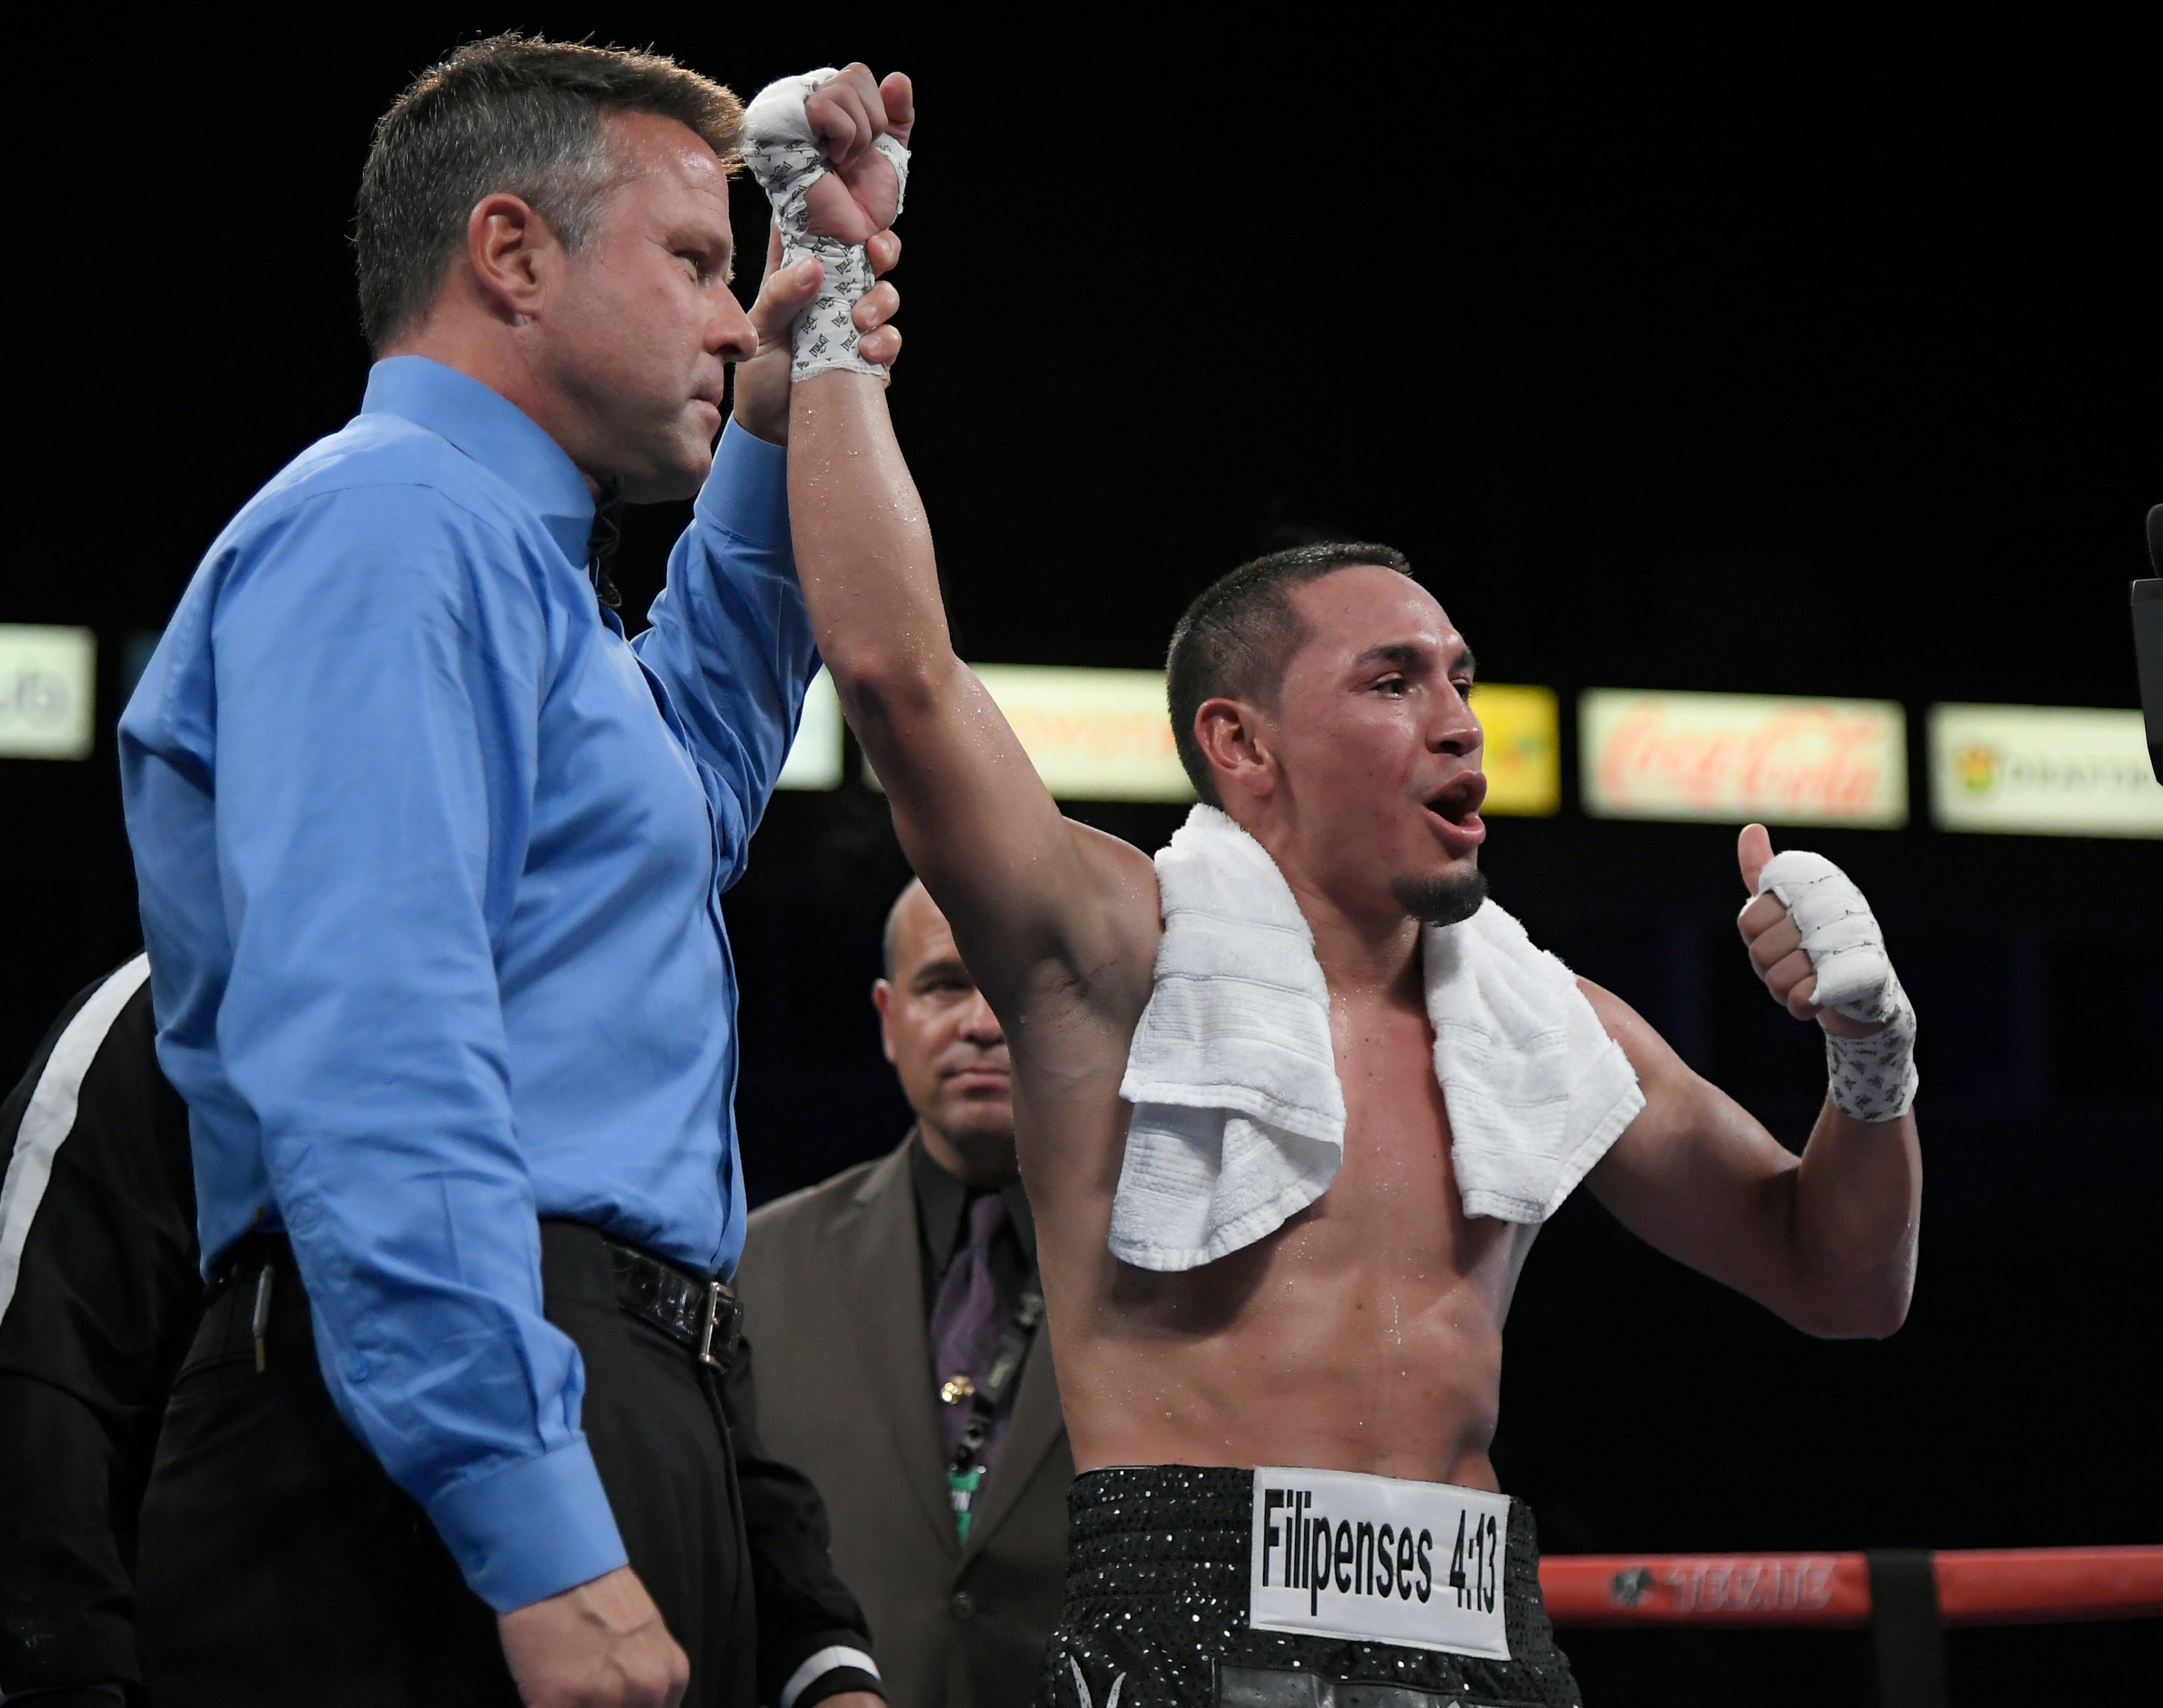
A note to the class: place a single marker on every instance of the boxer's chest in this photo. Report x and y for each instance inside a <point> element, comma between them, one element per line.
<point>1394,1200</point>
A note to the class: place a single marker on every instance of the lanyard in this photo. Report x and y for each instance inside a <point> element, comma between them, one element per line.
<point>965,1475</point>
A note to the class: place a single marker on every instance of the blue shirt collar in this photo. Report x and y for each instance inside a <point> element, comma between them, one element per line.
<point>493,430</point>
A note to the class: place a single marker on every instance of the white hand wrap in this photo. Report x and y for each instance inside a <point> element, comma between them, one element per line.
<point>1873,1078</point>
<point>787,159</point>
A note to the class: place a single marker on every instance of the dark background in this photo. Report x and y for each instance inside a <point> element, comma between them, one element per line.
<point>1793,357</point>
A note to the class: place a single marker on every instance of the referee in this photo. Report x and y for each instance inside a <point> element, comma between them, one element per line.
<point>430,858</point>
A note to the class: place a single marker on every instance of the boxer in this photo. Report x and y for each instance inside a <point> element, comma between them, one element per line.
<point>1293,1099</point>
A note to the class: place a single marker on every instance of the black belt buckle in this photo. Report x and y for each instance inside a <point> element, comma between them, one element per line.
<point>699,1314</point>
<point>723,1322</point>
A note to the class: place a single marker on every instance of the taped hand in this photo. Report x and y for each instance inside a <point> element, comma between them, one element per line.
<point>1819,948</point>
<point>827,148</point>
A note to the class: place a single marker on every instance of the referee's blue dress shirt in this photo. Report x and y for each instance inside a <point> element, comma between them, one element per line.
<point>431,861</point>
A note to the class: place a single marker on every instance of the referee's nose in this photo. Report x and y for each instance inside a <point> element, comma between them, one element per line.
<point>729,334</point>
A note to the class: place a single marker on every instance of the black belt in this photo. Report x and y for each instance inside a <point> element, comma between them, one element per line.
<point>695,1311</point>
<point>245,1260</point>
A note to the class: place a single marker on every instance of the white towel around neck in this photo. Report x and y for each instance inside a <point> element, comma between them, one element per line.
<point>1239,1117</point>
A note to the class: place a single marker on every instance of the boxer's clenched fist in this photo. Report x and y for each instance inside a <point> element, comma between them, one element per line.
<point>829,147</point>
<point>1814,942</point>
<point>860,192</point>
<point>1775,939</point>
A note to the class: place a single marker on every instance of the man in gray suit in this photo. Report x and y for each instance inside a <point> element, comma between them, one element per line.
<point>889,1306</point>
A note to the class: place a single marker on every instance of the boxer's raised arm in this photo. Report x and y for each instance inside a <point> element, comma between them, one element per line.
<point>1024,887</point>
<point>1027,892</point>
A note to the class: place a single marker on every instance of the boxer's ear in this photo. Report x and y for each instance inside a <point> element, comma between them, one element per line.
<point>1237,749</point>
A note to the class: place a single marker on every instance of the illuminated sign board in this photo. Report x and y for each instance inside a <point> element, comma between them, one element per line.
<point>1093,734</point>
<point>1732,758</point>
<point>814,759</point>
<point>2046,770</point>
<point>1523,756</point>
<point>48,692</point>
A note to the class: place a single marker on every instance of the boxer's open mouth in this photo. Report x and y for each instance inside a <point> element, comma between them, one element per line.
<point>1457,808</point>
<point>1459,803</point>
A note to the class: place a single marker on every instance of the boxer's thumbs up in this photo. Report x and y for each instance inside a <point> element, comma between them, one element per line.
<point>1752,850</point>
<point>1776,943</point>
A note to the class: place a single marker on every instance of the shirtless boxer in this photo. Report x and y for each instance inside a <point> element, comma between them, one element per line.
<point>1320,700</point>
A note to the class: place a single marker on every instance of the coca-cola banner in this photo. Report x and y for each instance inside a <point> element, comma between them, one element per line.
<point>1734,758</point>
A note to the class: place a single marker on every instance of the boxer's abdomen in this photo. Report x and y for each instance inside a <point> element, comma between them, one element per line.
<point>1305,1371</point>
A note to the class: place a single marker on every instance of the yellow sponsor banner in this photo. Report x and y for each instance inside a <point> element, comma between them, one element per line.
<point>2043,771</point>
<point>1733,758</point>
<point>1093,734</point>
<point>48,692</point>
<point>1523,756</point>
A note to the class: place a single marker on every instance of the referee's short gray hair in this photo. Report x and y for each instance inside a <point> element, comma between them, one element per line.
<point>515,114</point>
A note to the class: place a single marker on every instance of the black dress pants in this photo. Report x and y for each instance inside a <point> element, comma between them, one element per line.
<point>280,1565</point>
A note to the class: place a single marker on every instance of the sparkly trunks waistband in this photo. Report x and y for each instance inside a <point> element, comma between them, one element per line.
<point>1177,1529</point>
<point>1157,1603</point>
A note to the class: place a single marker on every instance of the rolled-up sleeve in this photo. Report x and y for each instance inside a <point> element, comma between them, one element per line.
<point>379,664</point>
<point>731,638</point>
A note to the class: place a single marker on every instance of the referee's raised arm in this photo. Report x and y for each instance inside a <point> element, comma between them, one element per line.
<point>430,863</point>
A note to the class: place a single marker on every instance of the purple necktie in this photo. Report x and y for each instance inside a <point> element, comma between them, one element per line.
<point>966,1323</point>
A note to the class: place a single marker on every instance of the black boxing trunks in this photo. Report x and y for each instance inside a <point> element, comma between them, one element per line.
<point>1201,1587</point>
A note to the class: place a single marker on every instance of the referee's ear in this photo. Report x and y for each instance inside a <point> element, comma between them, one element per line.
<point>516,259</point>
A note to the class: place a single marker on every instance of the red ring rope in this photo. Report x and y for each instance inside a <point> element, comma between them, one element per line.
<point>1976,1586</point>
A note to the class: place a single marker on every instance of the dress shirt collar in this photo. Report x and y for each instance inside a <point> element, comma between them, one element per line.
<point>942,1204</point>
<point>496,433</point>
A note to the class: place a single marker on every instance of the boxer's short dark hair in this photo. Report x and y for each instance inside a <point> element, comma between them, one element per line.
<point>1240,633</point>
<point>514,114</point>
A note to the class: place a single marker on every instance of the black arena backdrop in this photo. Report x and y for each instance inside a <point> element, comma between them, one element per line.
<point>1676,355</point>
